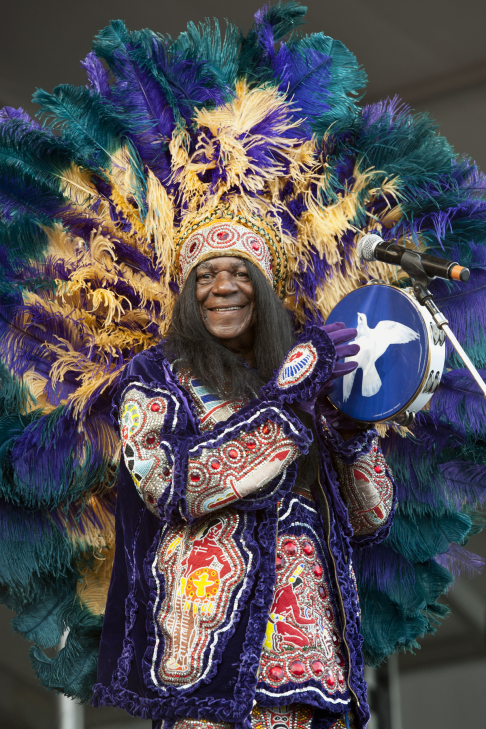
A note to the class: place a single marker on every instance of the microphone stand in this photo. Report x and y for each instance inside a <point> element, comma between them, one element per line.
<point>411,263</point>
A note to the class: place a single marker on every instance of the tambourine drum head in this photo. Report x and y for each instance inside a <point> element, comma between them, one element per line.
<point>393,357</point>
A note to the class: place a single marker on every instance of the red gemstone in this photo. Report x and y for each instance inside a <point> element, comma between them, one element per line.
<point>215,464</point>
<point>255,245</point>
<point>166,472</point>
<point>279,563</point>
<point>322,592</point>
<point>150,439</point>
<point>195,477</point>
<point>251,443</point>
<point>318,668</point>
<point>290,548</point>
<point>155,407</point>
<point>192,247</point>
<point>276,673</point>
<point>378,469</point>
<point>329,614</point>
<point>335,638</point>
<point>150,499</point>
<point>318,570</point>
<point>307,548</point>
<point>340,660</point>
<point>341,677</point>
<point>222,236</point>
<point>265,430</point>
<point>297,668</point>
<point>330,679</point>
<point>233,453</point>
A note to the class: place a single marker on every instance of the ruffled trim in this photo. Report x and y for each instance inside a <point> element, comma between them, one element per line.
<point>347,450</point>
<point>310,385</point>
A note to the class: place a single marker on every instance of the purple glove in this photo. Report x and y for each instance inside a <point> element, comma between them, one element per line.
<point>339,335</point>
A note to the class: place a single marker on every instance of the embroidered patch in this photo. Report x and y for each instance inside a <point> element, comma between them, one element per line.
<point>219,476</point>
<point>367,490</point>
<point>203,568</point>
<point>298,364</point>
<point>150,466</point>
<point>210,408</point>
<point>295,716</point>
<point>302,639</point>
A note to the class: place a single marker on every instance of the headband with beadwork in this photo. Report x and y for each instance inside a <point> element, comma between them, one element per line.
<point>223,233</point>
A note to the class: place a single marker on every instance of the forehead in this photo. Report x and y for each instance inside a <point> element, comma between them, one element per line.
<point>222,263</point>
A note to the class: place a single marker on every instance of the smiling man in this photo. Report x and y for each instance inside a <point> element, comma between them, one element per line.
<point>237,557</point>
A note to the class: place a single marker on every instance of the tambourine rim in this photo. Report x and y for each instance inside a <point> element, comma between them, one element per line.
<point>413,300</point>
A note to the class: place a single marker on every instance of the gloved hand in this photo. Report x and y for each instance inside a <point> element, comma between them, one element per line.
<point>339,335</point>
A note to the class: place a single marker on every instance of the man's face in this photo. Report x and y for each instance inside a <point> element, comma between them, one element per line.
<point>226,300</point>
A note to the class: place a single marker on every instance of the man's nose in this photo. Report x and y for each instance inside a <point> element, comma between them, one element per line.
<point>223,284</point>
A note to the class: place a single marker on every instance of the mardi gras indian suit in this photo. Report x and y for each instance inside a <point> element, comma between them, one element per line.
<point>256,559</point>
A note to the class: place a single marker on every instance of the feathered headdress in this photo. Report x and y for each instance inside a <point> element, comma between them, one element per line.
<point>252,145</point>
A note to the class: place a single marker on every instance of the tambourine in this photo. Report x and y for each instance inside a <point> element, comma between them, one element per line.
<point>401,357</point>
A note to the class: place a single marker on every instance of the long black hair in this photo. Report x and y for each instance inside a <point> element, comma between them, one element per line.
<point>189,344</point>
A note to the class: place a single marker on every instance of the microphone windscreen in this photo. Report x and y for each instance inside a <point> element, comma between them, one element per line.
<point>367,245</point>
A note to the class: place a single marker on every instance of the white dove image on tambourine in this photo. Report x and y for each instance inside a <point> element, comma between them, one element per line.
<point>401,357</point>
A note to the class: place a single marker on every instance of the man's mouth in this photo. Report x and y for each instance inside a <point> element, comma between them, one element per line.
<point>227,308</point>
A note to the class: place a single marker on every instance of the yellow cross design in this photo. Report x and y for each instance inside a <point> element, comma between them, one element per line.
<point>202,583</point>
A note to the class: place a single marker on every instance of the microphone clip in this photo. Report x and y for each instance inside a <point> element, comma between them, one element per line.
<point>411,263</point>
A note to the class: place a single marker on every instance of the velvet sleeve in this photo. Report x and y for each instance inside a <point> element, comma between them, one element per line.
<point>368,490</point>
<point>185,475</point>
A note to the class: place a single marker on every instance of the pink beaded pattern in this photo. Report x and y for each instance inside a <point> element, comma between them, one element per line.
<point>224,239</point>
<point>302,639</point>
<point>219,476</point>
<point>297,365</point>
<point>367,490</point>
<point>141,422</point>
<point>202,568</point>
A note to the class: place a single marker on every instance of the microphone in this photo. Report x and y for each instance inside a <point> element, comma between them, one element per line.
<point>373,248</point>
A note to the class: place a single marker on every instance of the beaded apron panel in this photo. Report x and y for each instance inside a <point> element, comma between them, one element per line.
<point>302,640</point>
<point>203,569</point>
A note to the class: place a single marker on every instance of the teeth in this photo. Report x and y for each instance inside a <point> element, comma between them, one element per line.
<point>229,308</point>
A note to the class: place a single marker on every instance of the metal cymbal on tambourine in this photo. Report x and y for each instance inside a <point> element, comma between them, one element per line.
<point>401,357</point>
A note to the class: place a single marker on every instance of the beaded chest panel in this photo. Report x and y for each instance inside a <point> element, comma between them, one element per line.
<point>203,570</point>
<point>302,640</point>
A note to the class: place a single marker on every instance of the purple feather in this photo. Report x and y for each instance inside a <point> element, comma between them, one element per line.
<point>98,76</point>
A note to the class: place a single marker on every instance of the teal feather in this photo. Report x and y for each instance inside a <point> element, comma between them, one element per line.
<point>88,122</point>
<point>73,671</point>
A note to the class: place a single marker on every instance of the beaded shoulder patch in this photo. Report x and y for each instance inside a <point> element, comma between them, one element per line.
<point>150,463</point>
<point>297,365</point>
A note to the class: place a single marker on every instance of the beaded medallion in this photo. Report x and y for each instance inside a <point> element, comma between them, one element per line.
<point>298,364</point>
